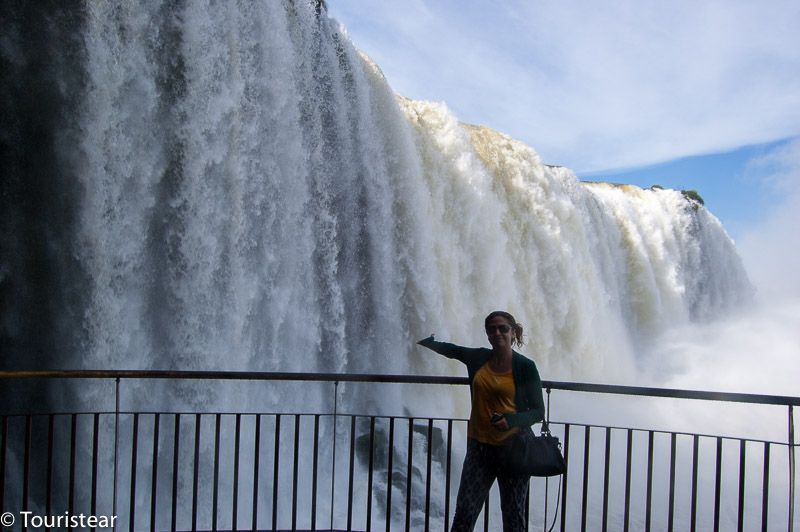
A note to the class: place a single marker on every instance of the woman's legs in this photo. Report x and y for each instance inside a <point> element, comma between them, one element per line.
<point>477,476</point>
<point>513,495</point>
<point>481,465</point>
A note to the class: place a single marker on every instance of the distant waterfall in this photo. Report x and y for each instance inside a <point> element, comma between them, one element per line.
<point>205,185</point>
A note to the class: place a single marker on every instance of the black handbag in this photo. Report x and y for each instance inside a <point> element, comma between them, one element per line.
<point>531,455</point>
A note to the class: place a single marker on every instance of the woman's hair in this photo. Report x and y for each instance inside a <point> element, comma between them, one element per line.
<point>516,327</point>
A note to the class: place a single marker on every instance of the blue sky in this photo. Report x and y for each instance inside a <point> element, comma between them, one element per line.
<point>686,94</point>
<point>731,183</point>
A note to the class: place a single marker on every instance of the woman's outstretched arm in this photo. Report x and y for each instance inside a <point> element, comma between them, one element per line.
<point>463,354</point>
<point>443,348</point>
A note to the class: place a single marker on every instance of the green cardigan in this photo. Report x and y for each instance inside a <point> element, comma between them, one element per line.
<point>528,397</point>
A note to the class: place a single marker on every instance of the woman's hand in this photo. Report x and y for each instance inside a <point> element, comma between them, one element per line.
<point>424,340</point>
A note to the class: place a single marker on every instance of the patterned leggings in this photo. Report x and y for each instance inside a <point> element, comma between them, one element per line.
<point>480,469</point>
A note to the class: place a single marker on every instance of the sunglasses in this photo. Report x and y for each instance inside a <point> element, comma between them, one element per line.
<point>502,328</point>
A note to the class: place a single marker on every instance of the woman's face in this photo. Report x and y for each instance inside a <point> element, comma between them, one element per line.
<point>499,332</point>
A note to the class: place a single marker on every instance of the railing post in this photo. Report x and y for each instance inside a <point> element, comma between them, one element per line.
<point>333,458</point>
<point>116,449</point>
<point>791,468</point>
<point>546,479</point>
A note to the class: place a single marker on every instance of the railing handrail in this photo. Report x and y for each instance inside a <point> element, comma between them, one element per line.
<point>673,393</point>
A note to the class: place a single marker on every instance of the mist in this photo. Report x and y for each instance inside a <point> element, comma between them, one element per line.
<point>757,348</point>
<point>753,349</point>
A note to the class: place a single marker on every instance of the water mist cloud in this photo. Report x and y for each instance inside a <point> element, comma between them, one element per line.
<point>758,349</point>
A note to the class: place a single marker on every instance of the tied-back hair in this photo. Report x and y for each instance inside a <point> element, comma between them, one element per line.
<point>516,327</point>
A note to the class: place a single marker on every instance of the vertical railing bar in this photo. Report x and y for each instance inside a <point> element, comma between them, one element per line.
<point>256,463</point>
<point>314,474</point>
<point>73,437</point>
<point>765,491</point>
<point>428,476</point>
<point>3,445</point>
<point>236,443</point>
<point>95,451</point>
<point>350,485</point>
<point>695,464</point>
<point>116,449</point>
<point>742,467</point>
<point>606,475</point>
<point>448,465</point>
<point>370,473</point>
<point>48,497</point>
<point>649,499</point>
<point>295,469</point>
<point>673,440</point>
<point>792,479</point>
<point>275,471</point>
<point>486,514</point>
<point>26,462</point>
<point>628,463</point>
<point>409,472</point>
<point>175,464</point>
<point>196,467</point>
<point>154,486</point>
<point>215,483</point>
<point>528,504</point>
<point>389,468</point>
<point>718,484</point>
<point>546,480</point>
<point>564,479</point>
<point>333,454</point>
<point>546,498</point>
<point>585,498</point>
<point>134,451</point>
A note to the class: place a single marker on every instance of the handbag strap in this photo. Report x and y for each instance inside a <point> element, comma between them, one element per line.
<point>546,430</point>
<point>558,500</point>
<point>546,421</point>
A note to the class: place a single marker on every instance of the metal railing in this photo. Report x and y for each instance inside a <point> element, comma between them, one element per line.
<point>161,470</point>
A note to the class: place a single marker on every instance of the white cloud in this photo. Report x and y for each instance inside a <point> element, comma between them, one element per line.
<point>596,85</point>
<point>771,249</point>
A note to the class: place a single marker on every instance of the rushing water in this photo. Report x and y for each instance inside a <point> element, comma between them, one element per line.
<point>217,186</point>
<point>210,185</point>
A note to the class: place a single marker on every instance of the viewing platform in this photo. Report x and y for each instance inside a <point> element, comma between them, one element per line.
<point>332,469</point>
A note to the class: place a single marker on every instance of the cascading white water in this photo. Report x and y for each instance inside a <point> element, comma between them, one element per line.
<point>251,195</point>
<point>596,271</point>
<point>237,188</point>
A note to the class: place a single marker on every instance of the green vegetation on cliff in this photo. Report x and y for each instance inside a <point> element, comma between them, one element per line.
<point>693,195</point>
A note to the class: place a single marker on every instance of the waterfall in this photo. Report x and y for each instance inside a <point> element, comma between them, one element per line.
<point>209,186</point>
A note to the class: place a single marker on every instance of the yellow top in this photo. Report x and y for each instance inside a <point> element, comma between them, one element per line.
<point>491,392</point>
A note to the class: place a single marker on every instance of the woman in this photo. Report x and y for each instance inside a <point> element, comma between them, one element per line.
<point>506,396</point>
